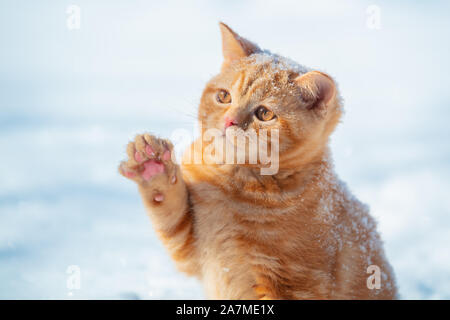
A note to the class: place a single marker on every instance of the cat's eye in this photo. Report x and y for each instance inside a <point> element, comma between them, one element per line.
<point>264,114</point>
<point>223,96</point>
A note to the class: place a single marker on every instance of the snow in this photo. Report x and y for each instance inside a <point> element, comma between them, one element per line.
<point>276,61</point>
<point>70,101</point>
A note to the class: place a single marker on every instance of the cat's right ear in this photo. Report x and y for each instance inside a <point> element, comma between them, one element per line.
<point>234,47</point>
<point>318,89</point>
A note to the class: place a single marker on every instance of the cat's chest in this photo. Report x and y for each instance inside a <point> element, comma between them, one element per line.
<point>231,258</point>
<point>238,253</point>
<point>228,261</point>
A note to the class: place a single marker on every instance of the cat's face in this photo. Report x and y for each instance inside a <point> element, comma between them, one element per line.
<point>257,90</point>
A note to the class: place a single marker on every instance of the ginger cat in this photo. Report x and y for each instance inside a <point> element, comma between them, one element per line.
<point>295,234</point>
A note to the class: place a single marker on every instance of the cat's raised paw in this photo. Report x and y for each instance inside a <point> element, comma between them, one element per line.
<point>148,156</point>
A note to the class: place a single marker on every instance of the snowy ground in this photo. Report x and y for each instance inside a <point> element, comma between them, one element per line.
<point>70,100</point>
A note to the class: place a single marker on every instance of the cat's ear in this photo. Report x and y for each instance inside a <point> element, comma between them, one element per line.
<point>234,47</point>
<point>318,89</point>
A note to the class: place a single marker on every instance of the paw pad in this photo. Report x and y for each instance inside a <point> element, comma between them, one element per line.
<point>138,157</point>
<point>158,197</point>
<point>151,168</point>
<point>149,151</point>
<point>148,156</point>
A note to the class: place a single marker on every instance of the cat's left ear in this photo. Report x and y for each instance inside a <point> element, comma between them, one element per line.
<point>318,89</point>
<point>234,47</point>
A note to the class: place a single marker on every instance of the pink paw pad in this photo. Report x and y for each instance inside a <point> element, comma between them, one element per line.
<point>126,172</point>
<point>166,155</point>
<point>138,157</point>
<point>152,168</point>
<point>158,197</point>
<point>149,151</point>
<point>129,174</point>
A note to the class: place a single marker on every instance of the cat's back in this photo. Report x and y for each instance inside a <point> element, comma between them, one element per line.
<point>358,247</point>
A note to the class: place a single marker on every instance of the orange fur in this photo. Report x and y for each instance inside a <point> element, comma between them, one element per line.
<point>297,234</point>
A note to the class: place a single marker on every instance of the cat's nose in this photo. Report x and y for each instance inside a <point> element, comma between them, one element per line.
<point>229,122</point>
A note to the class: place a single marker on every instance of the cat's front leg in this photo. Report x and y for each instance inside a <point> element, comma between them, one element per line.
<point>165,196</point>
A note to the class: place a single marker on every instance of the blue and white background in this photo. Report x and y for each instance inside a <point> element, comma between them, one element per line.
<point>70,99</point>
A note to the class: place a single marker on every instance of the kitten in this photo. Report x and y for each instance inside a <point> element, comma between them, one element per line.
<point>295,234</point>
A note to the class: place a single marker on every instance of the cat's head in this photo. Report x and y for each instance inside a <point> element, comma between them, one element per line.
<point>258,90</point>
